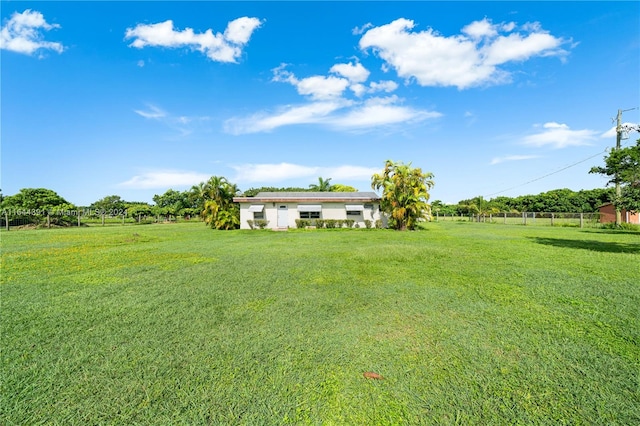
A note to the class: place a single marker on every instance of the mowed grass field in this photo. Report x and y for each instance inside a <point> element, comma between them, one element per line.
<point>178,324</point>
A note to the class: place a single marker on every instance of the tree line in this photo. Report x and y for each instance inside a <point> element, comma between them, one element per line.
<point>555,201</point>
<point>404,198</point>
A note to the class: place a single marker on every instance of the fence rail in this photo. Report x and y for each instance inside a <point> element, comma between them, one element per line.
<point>582,220</point>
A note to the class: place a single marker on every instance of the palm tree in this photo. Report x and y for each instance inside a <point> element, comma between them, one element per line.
<point>323,185</point>
<point>197,195</point>
<point>219,211</point>
<point>405,192</point>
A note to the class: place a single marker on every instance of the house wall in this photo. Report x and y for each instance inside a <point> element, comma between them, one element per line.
<point>329,211</point>
<point>608,214</point>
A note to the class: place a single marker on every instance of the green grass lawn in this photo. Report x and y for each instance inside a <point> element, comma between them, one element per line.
<point>178,324</point>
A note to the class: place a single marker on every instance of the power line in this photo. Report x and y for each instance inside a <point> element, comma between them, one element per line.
<point>552,173</point>
<point>547,175</point>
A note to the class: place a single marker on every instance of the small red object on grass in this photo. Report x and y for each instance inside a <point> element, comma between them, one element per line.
<point>372,375</point>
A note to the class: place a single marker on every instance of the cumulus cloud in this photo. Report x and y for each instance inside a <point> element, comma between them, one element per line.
<point>328,105</point>
<point>506,158</point>
<point>220,47</point>
<point>22,33</point>
<point>164,179</point>
<point>557,135</point>
<point>278,172</point>
<point>469,59</point>
<point>355,73</point>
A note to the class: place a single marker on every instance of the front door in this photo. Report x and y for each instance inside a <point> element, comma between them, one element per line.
<point>283,219</point>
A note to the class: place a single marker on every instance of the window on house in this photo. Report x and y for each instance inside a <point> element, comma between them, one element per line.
<point>309,211</point>
<point>257,210</point>
<point>309,215</point>
<point>354,209</point>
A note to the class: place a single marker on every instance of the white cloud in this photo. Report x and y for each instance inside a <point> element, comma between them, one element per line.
<point>558,135</point>
<point>219,47</point>
<point>321,87</point>
<point>329,107</point>
<point>480,29</point>
<point>465,60</point>
<point>239,30</point>
<point>498,160</point>
<point>23,33</point>
<point>311,113</point>
<point>317,87</point>
<point>376,112</point>
<point>362,29</point>
<point>164,179</point>
<point>268,173</point>
<point>340,114</point>
<point>153,112</point>
<point>383,86</point>
<point>354,73</point>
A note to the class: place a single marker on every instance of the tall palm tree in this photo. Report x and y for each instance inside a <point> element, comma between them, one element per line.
<point>323,185</point>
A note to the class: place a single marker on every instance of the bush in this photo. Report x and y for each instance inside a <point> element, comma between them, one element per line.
<point>367,223</point>
<point>622,227</point>
<point>250,223</point>
<point>261,223</point>
<point>379,224</point>
<point>331,223</point>
<point>340,223</point>
<point>320,223</point>
<point>302,223</point>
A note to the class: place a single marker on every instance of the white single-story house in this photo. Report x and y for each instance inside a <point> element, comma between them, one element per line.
<point>281,209</point>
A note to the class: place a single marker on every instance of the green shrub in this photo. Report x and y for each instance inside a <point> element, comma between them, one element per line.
<point>330,223</point>
<point>250,222</point>
<point>302,223</point>
<point>367,223</point>
<point>320,223</point>
<point>340,223</point>
<point>623,226</point>
<point>261,223</point>
<point>379,224</point>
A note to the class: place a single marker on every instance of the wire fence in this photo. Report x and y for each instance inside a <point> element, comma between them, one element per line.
<point>22,219</point>
<point>579,220</point>
<point>36,219</point>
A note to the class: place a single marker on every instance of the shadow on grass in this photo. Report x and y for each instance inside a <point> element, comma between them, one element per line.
<point>602,246</point>
<point>610,231</point>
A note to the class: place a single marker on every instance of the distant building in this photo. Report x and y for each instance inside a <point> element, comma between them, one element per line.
<point>608,215</point>
<point>281,209</point>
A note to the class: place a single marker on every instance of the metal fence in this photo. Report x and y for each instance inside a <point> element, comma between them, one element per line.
<point>579,220</point>
<point>31,219</point>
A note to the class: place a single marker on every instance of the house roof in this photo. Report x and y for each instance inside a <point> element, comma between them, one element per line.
<point>309,197</point>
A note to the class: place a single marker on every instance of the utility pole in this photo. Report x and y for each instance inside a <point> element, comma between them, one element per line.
<point>618,192</point>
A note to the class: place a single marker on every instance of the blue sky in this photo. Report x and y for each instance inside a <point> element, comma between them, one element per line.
<point>494,98</point>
